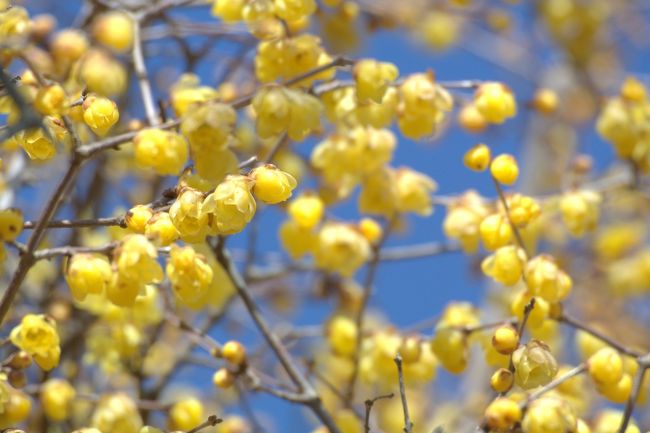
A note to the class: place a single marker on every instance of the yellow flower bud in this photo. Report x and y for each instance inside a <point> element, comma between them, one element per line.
<point>186,414</point>
<point>495,102</point>
<point>505,265</point>
<point>545,101</point>
<point>534,365</point>
<point>100,114</point>
<point>11,224</point>
<point>502,414</point>
<point>115,30</point>
<point>56,398</point>
<point>505,339</point>
<point>88,274</point>
<point>372,78</point>
<point>463,220</point>
<point>606,366</point>
<point>306,210</point>
<point>502,380</point>
<point>504,169</point>
<point>68,45</point>
<point>229,11</point>
<point>633,90</point>
<point>549,415</point>
<point>341,249</point>
<point>272,185</point>
<point>538,314</point>
<point>371,230</point>
<point>189,273</point>
<point>231,206</point>
<point>37,335</point>
<point>208,126</point>
<point>234,352</point>
<point>342,335</point>
<point>609,421</point>
<point>618,392</point>
<point>187,92</point>
<point>478,157</point>
<point>103,74</point>
<point>161,229</point>
<point>136,218</point>
<point>164,151</point>
<point>223,378</point>
<point>471,119</point>
<point>17,406</point>
<point>423,105</point>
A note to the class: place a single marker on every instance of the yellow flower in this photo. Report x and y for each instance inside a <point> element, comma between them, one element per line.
<point>186,214</point>
<point>164,151</point>
<point>189,273</point>
<point>37,335</point>
<point>88,274</point>
<point>617,392</point>
<point>136,261</point>
<point>123,291</point>
<point>502,414</point>
<point>379,193</point>
<point>14,22</point>
<point>423,105</point>
<point>341,249</point>
<point>36,143</point>
<point>546,280</point>
<point>371,230</point>
<point>539,313</point>
<point>502,380</point>
<point>68,45</point>
<point>292,10</point>
<point>372,78</point>
<point>50,100</point>
<point>609,421</point>
<point>580,211</point>
<point>549,415</point>
<point>450,347</point>
<point>116,413</point>
<point>187,92</point>
<point>186,414</point>
<point>100,114</point>
<point>136,218</point>
<point>505,265</point>
<point>234,352</point>
<point>534,365</point>
<point>208,126</point>
<point>523,209</point>
<point>16,406</point>
<point>161,229</point>
<point>414,191</point>
<point>102,73</point>
<point>56,398</point>
<point>545,101</point>
<point>11,224</point>
<point>114,29</point>
<point>297,240</point>
<point>280,109</point>
<point>463,220</point>
<point>471,119</point>
<point>306,210</point>
<point>495,231</point>
<point>231,206</point>
<point>505,339</point>
<point>495,102</point>
<point>272,185</point>
<point>342,335</point>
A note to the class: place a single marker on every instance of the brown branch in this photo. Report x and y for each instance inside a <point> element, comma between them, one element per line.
<point>371,273</point>
<point>564,318</point>
<point>408,425</point>
<point>369,404</point>
<point>66,223</point>
<point>311,398</point>
<point>140,69</point>
<point>644,364</point>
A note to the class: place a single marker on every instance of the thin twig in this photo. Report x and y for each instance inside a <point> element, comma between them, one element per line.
<point>369,404</point>
<point>644,364</point>
<point>140,69</point>
<point>210,422</point>
<point>408,425</point>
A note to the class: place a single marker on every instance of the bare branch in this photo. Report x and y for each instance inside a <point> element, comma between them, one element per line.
<point>408,425</point>
<point>369,404</point>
